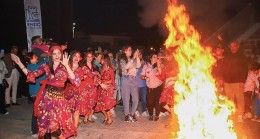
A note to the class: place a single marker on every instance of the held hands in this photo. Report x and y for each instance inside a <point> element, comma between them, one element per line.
<point>219,37</point>
<point>136,54</point>
<point>103,86</point>
<point>159,67</point>
<point>15,58</point>
<point>65,59</point>
<point>159,64</point>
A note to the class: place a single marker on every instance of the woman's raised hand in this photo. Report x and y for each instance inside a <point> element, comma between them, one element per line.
<point>15,58</point>
<point>65,59</point>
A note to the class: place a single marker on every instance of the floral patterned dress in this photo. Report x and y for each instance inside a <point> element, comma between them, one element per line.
<point>73,92</point>
<point>53,110</point>
<point>106,99</point>
<point>88,91</point>
<point>170,72</point>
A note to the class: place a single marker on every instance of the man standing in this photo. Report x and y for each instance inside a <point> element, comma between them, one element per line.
<point>235,68</point>
<point>40,50</point>
<point>12,77</point>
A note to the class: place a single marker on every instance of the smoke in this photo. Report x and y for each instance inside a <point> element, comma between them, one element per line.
<point>206,15</point>
<point>152,12</point>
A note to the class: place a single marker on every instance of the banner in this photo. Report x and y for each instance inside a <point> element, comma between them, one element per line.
<point>33,20</point>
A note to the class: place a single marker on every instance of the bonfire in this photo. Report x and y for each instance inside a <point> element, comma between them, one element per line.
<point>200,112</point>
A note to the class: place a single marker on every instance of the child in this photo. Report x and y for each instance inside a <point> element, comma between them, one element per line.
<point>34,88</point>
<point>256,98</point>
<point>249,88</point>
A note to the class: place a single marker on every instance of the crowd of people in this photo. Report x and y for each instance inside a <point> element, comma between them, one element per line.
<point>237,78</point>
<point>65,87</point>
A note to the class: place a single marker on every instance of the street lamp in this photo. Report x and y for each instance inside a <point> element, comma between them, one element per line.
<point>73,29</point>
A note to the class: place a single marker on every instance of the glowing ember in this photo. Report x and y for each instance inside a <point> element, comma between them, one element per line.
<point>201,115</point>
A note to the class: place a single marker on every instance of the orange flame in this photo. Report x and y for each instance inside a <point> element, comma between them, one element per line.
<point>200,113</point>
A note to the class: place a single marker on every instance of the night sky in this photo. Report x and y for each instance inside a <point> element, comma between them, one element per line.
<point>106,16</point>
<point>139,19</point>
<point>114,17</point>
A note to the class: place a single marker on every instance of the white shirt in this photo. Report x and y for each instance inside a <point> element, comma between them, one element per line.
<point>3,71</point>
<point>131,67</point>
<point>152,80</point>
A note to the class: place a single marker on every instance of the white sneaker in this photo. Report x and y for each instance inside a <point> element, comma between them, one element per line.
<point>255,118</point>
<point>6,113</point>
<point>145,114</point>
<point>166,113</point>
<point>34,135</point>
<point>113,115</point>
<point>94,117</point>
<point>162,114</point>
<point>112,111</point>
<point>137,114</point>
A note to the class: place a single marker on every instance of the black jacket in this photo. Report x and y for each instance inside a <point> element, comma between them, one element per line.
<point>235,68</point>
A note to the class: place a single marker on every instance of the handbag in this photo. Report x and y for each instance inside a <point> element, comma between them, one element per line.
<point>5,83</point>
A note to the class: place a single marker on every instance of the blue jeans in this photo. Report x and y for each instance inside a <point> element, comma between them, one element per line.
<point>129,87</point>
<point>142,94</point>
<point>34,125</point>
<point>256,106</point>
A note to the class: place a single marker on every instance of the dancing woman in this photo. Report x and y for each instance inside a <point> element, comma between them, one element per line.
<point>89,95</point>
<point>72,91</point>
<point>106,100</point>
<point>170,72</point>
<point>54,116</point>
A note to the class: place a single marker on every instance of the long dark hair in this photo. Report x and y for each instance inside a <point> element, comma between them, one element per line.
<point>107,61</point>
<point>72,54</point>
<point>149,60</point>
<point>84,61</point>
<point>50,57</point>
<point>123,55</point>
<point>28,57</point>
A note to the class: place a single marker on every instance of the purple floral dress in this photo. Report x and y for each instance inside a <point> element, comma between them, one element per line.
<point>54,112</point>
<point>73,92</point>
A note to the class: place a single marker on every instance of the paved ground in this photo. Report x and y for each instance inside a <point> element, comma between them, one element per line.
<point>16,125</point>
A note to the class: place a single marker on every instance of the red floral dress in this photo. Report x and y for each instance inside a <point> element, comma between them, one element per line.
<point>73,92</point>
<point>106,99</point>
<point>53,110</point>
<point>170,72</point>
<point>88,91</point>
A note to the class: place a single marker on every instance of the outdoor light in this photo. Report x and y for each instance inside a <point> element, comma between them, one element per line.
<point>73,28</point>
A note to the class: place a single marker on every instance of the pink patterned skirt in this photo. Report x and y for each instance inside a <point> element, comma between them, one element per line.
<point>54,113</point>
